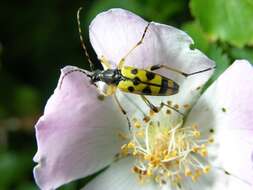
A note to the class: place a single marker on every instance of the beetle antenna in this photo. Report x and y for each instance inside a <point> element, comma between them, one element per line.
<point>86,73</point>
<point>81,39</point>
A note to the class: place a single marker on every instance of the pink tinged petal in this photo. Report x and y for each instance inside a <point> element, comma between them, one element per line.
<point>120,177</point>
<point>78,133</point>
<point>113,33</point>
<point>227,107</point>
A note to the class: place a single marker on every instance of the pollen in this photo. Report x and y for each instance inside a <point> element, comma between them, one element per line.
<point>167,153</point>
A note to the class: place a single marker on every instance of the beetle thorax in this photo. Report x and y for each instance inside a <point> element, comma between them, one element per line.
<point>109,76</point>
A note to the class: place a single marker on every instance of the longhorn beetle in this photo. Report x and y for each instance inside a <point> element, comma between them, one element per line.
<point>131,79</point>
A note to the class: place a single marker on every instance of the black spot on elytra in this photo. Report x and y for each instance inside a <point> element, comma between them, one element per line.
<point>147,90</point>
<point>130,89</point>
<point>136,81</point>
<point>134,71</point>
<point>150,75</point>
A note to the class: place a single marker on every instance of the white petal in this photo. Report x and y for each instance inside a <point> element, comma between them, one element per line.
<point>218,180</point>
<point>227,108</point>
<point>119,177</point>
<point>113,33</point>
<point>78,133</point>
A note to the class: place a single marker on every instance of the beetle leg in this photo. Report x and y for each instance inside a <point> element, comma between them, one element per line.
<point>118,103</point>
<point>156,108</point>
<point>149,104</point>
<point>122,60</point>
<point>122,110</point>
<point>155,67</point>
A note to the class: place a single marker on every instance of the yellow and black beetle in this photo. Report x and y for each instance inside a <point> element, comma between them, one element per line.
<point>131,79</point>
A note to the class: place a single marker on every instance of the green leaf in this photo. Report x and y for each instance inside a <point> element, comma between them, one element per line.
<point>103,5</point>
<point>213,51</point>
<point>27,186</point>
<point>227,20</point>
<point>245,53</point>
<point>1,51</point>
<point>167,9</point>
<point>221,59</point>
<point>144,8</point>
<point>26,101</point>
<point>197,34</point>
<point>13,168</point>
<point>81,182</point>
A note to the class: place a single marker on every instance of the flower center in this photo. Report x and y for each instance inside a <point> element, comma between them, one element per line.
<point>167,152</point>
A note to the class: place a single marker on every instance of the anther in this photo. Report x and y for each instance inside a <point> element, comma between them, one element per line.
<point>211,140</point>
<point>203,152</point>
<point>187,172</point>
<point>130,145</point>
<point>169,103</point>
<point>196,134</point>
<point>194,178</point>
<point>206,169</point>
<point>152,111</point>
<point>186,106</point>
<point>137,124</point>
<point>168,112</point>
<point>176,106</point>
<point>146,119</point>
<point>198,172</point>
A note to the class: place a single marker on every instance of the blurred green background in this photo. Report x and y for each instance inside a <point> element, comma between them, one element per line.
<point>37,38</point>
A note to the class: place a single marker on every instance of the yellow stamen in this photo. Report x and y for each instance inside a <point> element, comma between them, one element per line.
<point>167,152</point>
